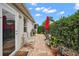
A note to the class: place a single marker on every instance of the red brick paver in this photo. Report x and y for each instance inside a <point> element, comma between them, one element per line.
<point>40,48</point>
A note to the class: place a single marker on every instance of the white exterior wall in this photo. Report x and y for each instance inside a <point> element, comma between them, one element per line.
<point>9,9</point>
<point>19,27</point>
<point>30,26</point>
<point>19,31</point>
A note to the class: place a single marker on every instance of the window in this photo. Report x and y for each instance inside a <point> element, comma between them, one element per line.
<point>35,26</point>
<point>25,25</point>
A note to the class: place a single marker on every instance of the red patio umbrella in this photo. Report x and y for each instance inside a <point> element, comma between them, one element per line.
<point>47,23</point>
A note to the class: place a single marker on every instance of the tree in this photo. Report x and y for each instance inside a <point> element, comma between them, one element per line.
<point>39,29</point>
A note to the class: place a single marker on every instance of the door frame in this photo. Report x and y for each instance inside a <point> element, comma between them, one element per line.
<point>1,30</point>
<point>12,11</point>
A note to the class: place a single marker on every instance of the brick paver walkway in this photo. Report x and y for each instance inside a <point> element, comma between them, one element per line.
<point>35,46</point>
<point>40,48</point>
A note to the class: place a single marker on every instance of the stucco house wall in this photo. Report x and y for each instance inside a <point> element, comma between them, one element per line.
<point>19,26</point>
<point>30,26</point>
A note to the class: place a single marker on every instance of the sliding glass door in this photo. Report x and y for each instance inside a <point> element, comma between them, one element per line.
<point>8,32</point>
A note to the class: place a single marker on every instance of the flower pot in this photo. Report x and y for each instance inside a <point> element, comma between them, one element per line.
<point>54,51</point>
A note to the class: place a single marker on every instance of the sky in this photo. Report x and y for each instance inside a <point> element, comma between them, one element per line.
<point>39,11</point>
